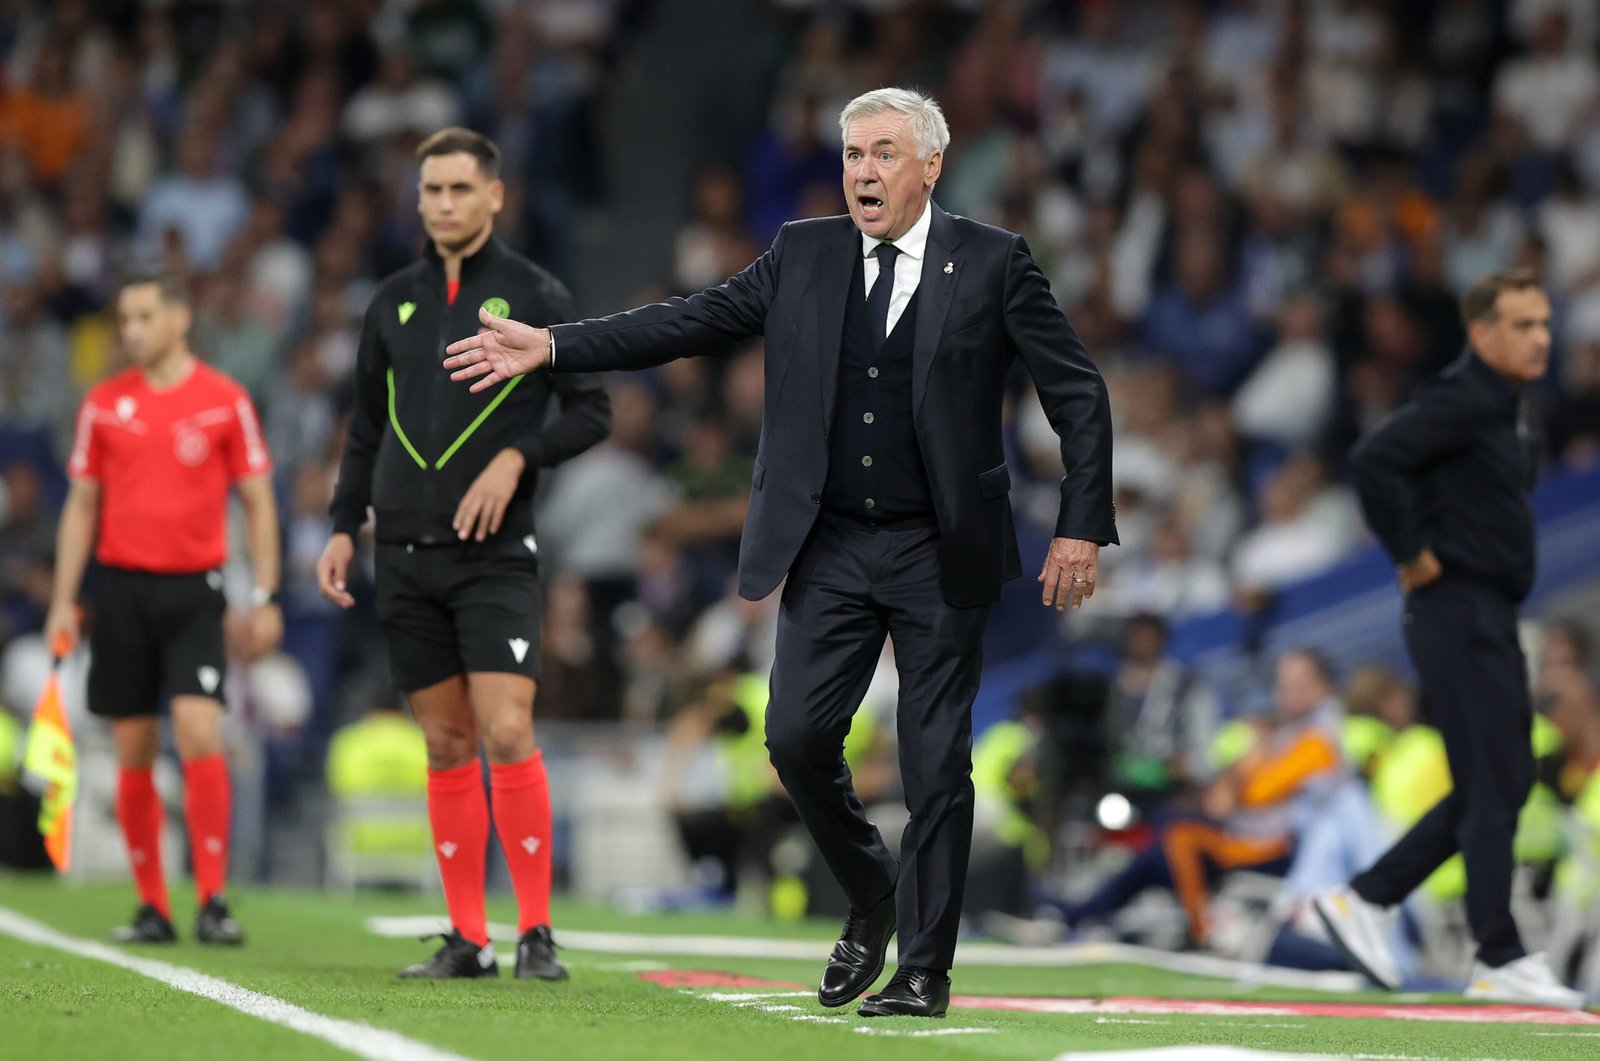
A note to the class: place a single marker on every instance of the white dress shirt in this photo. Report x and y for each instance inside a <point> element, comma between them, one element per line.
<point>907,267</point>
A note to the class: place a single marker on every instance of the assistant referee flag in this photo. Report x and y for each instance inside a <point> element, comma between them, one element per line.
<point>53,761</point>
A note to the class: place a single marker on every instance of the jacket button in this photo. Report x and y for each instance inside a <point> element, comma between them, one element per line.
<point>816,499</point>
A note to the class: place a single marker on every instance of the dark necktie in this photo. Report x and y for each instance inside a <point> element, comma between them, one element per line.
<point>878,300</point>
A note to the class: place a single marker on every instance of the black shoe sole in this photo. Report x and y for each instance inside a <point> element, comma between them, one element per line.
<point>871,1009</point>
<point>550,978</point>
<point>404,975</point>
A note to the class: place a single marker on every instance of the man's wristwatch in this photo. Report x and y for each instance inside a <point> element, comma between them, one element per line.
<point>260,596</point>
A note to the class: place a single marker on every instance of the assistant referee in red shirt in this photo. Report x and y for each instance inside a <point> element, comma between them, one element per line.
<point>156,449</point>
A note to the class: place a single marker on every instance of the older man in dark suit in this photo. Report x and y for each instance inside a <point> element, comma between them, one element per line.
<point>880,496</point>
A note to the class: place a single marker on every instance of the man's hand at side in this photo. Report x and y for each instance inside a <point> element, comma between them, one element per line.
<point>503,350</point>
<point>484,504</point>
<point>1068,577</point>
<point>333,569</point>
<point>1414,574</point>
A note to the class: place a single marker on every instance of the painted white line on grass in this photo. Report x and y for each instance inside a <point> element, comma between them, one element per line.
<point>1200,1023</point>
<point>1210,1052</point>
<point>746,996</point>
<point>923,1033</point>
<point>363,1040</point>
<point>1000,954</point>
<point>1197,1052</point>
<point>780,1009</point>
<point>812,1018</point>
<point>1568,1035</point>
<point>632,967</point>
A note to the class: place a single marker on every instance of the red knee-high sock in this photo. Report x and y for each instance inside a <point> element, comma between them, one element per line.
<point>522,818</point>
<point>459,813</point>
<point>139,811</point>
<point>208,810</point>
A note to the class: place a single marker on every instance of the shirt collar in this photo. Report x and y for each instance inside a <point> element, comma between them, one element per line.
<point>913,244</point>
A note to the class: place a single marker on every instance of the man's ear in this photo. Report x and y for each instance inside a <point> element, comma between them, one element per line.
<point>932,168</point>
<point>1477,331</point>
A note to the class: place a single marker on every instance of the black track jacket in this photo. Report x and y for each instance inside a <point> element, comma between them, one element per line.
<point>416,440</point>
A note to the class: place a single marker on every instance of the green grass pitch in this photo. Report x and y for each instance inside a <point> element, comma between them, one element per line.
<point>314,951</point>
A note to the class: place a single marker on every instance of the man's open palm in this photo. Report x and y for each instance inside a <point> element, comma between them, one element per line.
<point>504,350</point>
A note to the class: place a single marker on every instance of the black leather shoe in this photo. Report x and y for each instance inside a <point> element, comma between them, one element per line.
<point>911,992</point>
<point>857,959</point>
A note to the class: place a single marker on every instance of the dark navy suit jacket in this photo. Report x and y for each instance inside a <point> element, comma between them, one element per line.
<point>981,301</point>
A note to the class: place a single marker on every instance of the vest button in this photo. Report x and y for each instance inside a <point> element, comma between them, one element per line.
<point>866,462</point>
<point>871,503</point>
<point>816,499</point>
<point>866,418</point>
<point>872,373</point>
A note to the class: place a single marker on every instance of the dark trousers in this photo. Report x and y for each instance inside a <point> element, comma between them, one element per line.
<point>1463,638</point>
<point>848,588</point>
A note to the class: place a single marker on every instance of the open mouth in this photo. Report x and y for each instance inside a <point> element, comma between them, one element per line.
<point>871,206</point>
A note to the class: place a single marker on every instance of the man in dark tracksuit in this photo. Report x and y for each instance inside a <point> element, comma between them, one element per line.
<point>450,478</point>
<point>1444,483</point>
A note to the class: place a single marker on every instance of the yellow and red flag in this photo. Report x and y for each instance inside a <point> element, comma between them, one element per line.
<point>53,760</point>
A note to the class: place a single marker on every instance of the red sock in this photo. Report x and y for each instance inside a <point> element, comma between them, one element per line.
<point>522,818</point>
<point>208,810</point>
<point>459,813</point>
<point>139,811</point>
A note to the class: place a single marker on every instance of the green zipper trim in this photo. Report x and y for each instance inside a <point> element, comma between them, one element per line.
<point>478,422</point>
<point>399,432</point>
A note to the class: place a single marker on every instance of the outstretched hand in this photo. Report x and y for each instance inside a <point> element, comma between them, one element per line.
<point>503,350</point>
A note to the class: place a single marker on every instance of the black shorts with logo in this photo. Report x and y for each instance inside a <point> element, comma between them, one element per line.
<point>462,608</point>
<point>152,632</point>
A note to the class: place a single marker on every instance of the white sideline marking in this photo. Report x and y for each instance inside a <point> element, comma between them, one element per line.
<point>363,1040</point>
<point>1202,1022</point>
<point>1568,1035</point>
<point>1000,954</point>
<point>924,1033</point>
<point>633,967</point>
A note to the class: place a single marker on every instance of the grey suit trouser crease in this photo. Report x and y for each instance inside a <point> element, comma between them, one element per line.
<point>850,586</point>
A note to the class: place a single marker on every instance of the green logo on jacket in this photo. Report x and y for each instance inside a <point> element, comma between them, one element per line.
<point>406,310</point>
<point>498,306</point>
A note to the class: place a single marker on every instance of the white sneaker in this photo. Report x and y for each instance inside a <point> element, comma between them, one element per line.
<point>1528,980</point>
<point>1361,930</point>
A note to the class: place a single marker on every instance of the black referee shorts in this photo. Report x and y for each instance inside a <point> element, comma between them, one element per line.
<point>153,631</point>
<point>459,608</point>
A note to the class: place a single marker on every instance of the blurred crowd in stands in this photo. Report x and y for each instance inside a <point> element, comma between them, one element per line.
<point>1258,215</point>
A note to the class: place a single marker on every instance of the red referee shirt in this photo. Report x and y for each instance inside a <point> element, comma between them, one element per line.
<point>164,461</point>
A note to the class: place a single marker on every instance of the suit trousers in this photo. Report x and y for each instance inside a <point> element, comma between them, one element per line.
<point>1462,637</point>
<point>849,587</point>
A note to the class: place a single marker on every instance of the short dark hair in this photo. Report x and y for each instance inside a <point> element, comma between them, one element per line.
<point>1478,301</point>
<point>174,292</point>
<point>457,140</point>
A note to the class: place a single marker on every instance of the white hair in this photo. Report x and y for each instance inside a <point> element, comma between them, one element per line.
<point>928,126</point>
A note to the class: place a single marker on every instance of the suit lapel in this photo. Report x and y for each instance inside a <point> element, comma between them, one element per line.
<point>935,291</point>
<point>837,266</point>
